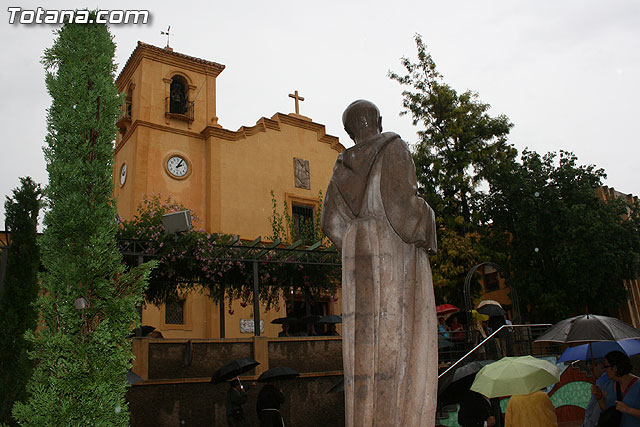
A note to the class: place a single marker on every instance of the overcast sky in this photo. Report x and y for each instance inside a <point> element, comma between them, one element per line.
<point>565,72</point>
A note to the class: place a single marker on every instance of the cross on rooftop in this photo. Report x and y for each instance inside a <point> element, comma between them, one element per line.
<point>166,33</point>
<point>297,98</point>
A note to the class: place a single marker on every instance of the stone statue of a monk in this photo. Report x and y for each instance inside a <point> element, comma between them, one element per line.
<point>384,230</point>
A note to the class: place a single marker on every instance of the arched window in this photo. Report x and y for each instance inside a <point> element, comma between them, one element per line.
<point>128,101</point>
<point>178,96</point>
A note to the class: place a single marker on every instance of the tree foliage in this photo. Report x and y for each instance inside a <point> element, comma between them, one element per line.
<point>458,146</point>
<point>541,219</point>
<point>457,254</point>
<point>458,143</point>
<point>82,354</point>
<point>17,313</point>
<point>567,248</point>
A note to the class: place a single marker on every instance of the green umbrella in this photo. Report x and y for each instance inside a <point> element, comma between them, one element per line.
<point>515,375</point>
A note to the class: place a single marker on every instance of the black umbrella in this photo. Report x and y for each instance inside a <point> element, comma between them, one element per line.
<point>452,386</point>
<point>314,318</point>
<point>233,369</point>
<point>331,319</point>
<point>142,331</point>
<point>279,373</point>
<point>589,328</point>
<point>133,378</point>
<point>464,371</point>
<point>491,310</point>
<point>281,320</point>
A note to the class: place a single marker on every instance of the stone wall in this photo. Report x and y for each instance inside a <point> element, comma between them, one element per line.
<point>173,395</point>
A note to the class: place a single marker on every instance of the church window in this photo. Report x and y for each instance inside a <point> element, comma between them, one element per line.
<point>178,98</point>
<point>302,222</point>
<point>127,102</point>
<point>174,313</point>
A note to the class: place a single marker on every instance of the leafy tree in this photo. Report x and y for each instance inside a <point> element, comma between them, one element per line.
<point>567,248</point>
<point>459,145</point>
<point>459,141</point>
<point>17,313</point>
<point>88,301</point>
<point>456,255</point>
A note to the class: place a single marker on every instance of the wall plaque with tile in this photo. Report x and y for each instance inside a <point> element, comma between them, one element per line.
<point>301,173</point>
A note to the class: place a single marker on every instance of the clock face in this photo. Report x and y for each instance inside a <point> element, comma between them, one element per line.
<point>123,174</point>
<point>177,166</point>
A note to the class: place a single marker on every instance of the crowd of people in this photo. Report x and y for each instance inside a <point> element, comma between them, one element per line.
<point>615,401</point>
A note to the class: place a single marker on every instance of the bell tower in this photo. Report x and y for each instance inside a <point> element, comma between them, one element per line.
<point>169,98</point>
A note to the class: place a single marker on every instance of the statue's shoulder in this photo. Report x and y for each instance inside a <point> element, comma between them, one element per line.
<point>394,142</point>
<point>390,135</point>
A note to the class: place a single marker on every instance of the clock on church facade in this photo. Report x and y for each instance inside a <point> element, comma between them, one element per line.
<point>171,143</point>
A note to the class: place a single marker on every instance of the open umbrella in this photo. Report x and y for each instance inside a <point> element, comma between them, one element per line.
<point>142,331</point>
<point>454,384</point>
<point>479,316</point>
<point>600,349</point>
<point>133,378</point>
<point>589,328</point>
<point>233,369</point>
<point>445,309</point>
<point>515,376</point>
<point>313,318</point>
<point>279,373</point>
<point>331,319</point>
<point>281,320</point>
<point>491,308</point>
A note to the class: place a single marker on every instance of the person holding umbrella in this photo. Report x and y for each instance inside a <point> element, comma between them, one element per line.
<point>592,411</point>
<point>268,405</point>
<point>475,411</point>
<point>236,397</point>
<point>530,410</point>
<point>623,392</point>
<point>522,378</point>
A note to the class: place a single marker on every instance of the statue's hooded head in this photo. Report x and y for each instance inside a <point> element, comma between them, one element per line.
<point>362,120</point>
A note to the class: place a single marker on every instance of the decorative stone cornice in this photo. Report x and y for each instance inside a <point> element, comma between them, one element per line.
<point>274,123</point>
<point>295,120</point>
<point>165,56</point>
<point>155,126</point>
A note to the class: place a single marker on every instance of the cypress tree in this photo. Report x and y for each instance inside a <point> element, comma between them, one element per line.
<point>20,290</point>
<point>87,304</point>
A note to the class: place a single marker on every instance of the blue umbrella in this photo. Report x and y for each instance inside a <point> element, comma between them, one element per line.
<point>600,349</point>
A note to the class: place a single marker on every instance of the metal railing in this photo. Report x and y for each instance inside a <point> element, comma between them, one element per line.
<point>180,110</point>
<point>506,340</point>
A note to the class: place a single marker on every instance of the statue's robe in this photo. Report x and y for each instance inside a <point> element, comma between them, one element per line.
<point>384,230</point>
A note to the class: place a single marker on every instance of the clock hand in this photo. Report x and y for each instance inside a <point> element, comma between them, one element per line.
<point>180,164</point>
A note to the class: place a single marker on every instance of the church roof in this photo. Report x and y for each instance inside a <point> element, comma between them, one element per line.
<point>169,56</point>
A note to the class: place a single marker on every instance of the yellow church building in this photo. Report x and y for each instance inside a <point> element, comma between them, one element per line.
<point>170,143</point>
